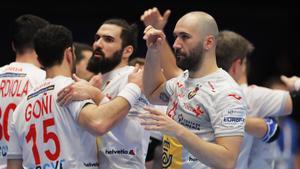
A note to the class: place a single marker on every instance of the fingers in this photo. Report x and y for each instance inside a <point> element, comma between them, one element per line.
<point>64,92</point>
<point>153,110</point>
<point>166,15</point>
<point>65,99</point>
<point>76,78</point>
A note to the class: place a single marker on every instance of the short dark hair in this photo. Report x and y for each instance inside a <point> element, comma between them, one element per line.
<point>137,60</point>
<point>79,47</point>
<point>23,30</point>
<point>129,33</point>
<point>231,46</point>
<point>50,43</point>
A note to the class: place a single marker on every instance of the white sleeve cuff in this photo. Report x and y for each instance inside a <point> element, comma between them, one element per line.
<point>131,93</point>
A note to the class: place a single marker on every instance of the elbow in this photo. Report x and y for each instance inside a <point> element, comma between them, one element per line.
<point>230,164</point>
<point>288,106</point>
<point>99,128</point>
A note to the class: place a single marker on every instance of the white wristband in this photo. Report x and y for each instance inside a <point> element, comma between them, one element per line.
<point>131,93</point>
<point>297,85</point>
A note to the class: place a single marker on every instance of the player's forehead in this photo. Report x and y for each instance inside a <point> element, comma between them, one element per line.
<point>109,30</point>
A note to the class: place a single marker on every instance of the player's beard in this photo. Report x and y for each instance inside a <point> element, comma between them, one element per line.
<point>102,64</point>
<point>192,61</point>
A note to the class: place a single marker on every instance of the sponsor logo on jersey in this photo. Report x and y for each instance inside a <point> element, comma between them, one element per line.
<point>53,164</point>
<point>12,75</point>
<point>192,159</point>
<point>188,123</point>
<point>193,93</point>
<point>120,151</point>
<point>91,164</point>
<point>166,157</point>
<point>43,90</point>
<point>234,117</point>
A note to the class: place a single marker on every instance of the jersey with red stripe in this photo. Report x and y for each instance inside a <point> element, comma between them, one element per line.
<point>124,146</point>
<point>16,81</point>
<point>45,134</point>
<point>211,106</point>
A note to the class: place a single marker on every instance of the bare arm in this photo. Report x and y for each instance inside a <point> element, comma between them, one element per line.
<point>168,63</point>
<point>14,164</point>
<point>221,154</point>
<point>256,127</point>
<point>153,78</point>
<point>100,119</point>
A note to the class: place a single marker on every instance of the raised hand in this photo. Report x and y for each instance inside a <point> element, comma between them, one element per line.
<point>154,18</point>
<point>290,82</point>
<point>153,37</point>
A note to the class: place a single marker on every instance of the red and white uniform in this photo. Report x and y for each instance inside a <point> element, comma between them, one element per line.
<point>16,81</point>
<point>46,135</point>
<point>210,107</point>
<point>262,102</point>
<point>125,146</point>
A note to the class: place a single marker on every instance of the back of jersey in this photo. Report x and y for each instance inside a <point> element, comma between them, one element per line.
<point>16,80</point>
<point>47,135</point>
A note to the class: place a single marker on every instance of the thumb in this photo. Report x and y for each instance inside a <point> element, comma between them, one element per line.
<point>136,68</point>
<point>76,78</point>
<point>167,14</point>
<point>283,78</point>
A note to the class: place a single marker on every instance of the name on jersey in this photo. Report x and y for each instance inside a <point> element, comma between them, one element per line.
<point>50,165</point>
<point>39,107</point>
<point>121,151</point>
<point>13,88</point>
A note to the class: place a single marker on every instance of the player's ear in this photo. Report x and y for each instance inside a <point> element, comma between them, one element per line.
<point>68,54</point>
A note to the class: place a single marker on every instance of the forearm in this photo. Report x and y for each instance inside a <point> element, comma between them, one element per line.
<point>168,62</point>
<point>256,127</point>
<point>211,154</point>
<point>153,77</point>
<point>99,120</point>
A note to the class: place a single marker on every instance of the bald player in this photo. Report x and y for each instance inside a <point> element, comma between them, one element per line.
<point>204,125</point>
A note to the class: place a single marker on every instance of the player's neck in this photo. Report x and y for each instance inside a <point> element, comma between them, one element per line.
<point>243,80</point>
<point>121,65</point>
<point>208,66</point>
<point>58,70</point>
<point>28,57</point>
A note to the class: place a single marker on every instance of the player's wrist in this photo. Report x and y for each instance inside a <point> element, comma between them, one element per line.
<point>131,93</point>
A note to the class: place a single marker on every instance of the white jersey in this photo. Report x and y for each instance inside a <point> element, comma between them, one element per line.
<point>16,81</point>
<point>210,107</point>
<point>126,144</point>
<point>261,102</point>
<point>46,135</point>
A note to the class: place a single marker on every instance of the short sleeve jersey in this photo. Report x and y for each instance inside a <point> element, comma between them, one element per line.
<point>16,81</point>
<point>211,106</point>
<point>125,146</point>
<point>45,134</point>
<point>262,102</point>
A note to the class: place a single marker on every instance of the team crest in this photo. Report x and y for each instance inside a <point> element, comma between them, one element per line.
<point>193,93</point>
